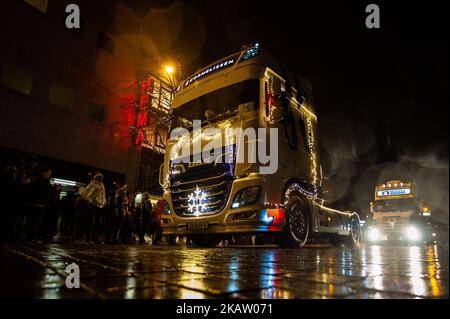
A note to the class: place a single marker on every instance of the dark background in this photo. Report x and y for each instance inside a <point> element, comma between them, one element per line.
<point>395,77</point>
<point>381,94</point>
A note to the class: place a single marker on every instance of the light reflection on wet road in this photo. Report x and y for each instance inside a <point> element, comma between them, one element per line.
<point>185,272</point>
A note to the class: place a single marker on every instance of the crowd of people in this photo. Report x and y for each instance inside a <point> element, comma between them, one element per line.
<point>31,210</point>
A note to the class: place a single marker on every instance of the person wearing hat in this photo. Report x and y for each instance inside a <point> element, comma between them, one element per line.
<point>95,195</point>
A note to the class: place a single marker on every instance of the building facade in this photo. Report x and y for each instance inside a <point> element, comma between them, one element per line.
<point>70,96</point>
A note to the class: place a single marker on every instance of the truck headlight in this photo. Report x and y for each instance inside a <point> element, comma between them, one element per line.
<point>373,234</point>
<point>246,196</point>
<point>412,233</point>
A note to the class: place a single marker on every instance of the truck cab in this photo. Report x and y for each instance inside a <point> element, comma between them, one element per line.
<point>266,178</point>
<point>398,215</point>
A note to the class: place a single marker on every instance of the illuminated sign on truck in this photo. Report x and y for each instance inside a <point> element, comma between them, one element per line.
<point>393,192</point>
<point>214,68</point>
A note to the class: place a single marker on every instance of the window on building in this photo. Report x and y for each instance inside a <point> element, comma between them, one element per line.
<point>61,96</point>
<point>41,5</point>
<point>16,78</point>
<point>105,42</point>
<point>96,111</point>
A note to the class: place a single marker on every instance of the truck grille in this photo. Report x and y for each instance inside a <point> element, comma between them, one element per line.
<point>200,190</point>
<point>393,222</point>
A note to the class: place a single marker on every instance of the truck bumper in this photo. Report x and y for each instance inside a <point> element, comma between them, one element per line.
<point>247,219</point>
<point>254,221</point>
<point>221,229</point>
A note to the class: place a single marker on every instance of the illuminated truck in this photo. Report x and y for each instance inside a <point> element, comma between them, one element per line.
<point>210,201</point>
<point>398,214</point>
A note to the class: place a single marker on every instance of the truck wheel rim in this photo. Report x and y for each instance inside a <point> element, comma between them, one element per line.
<point>354,227</point>
<point>298,224</point>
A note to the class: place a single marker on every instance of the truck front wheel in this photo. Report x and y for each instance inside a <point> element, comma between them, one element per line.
<point>297,228</point>
<point>355,230</point>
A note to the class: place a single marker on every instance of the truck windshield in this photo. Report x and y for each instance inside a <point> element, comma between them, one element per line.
<point>395,205</point>
<point>223,103</point>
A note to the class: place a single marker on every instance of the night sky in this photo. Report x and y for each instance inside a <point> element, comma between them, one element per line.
<point>392,80</point>
<point>381,94</point>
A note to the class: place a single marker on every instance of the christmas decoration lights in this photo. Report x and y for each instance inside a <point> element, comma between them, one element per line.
<point>196,201</point>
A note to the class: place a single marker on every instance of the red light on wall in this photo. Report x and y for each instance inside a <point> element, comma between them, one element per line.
<point>129,116</point>
<point>144,101</point>
<point>140,137</point>
<point>142,119</point>
<point>145,85</point>
<point>141,114</point>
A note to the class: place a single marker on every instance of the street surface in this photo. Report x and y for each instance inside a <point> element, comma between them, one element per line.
<point>38,271</point>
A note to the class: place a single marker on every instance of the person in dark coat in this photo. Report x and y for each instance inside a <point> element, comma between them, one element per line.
<point>123,211</point>
<point>8,177</point>
<point>68,204</point>
<point>51,218</point>
<point>40,199</point>
<point>144,215</point>
<point>132,209</point>
<point>21,189</point>
<point>111,218</point>
<point>155,222</point>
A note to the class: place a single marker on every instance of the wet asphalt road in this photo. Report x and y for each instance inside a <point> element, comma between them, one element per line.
<point>38,271</point>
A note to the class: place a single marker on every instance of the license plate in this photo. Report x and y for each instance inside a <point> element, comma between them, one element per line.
<point>197,225</point>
